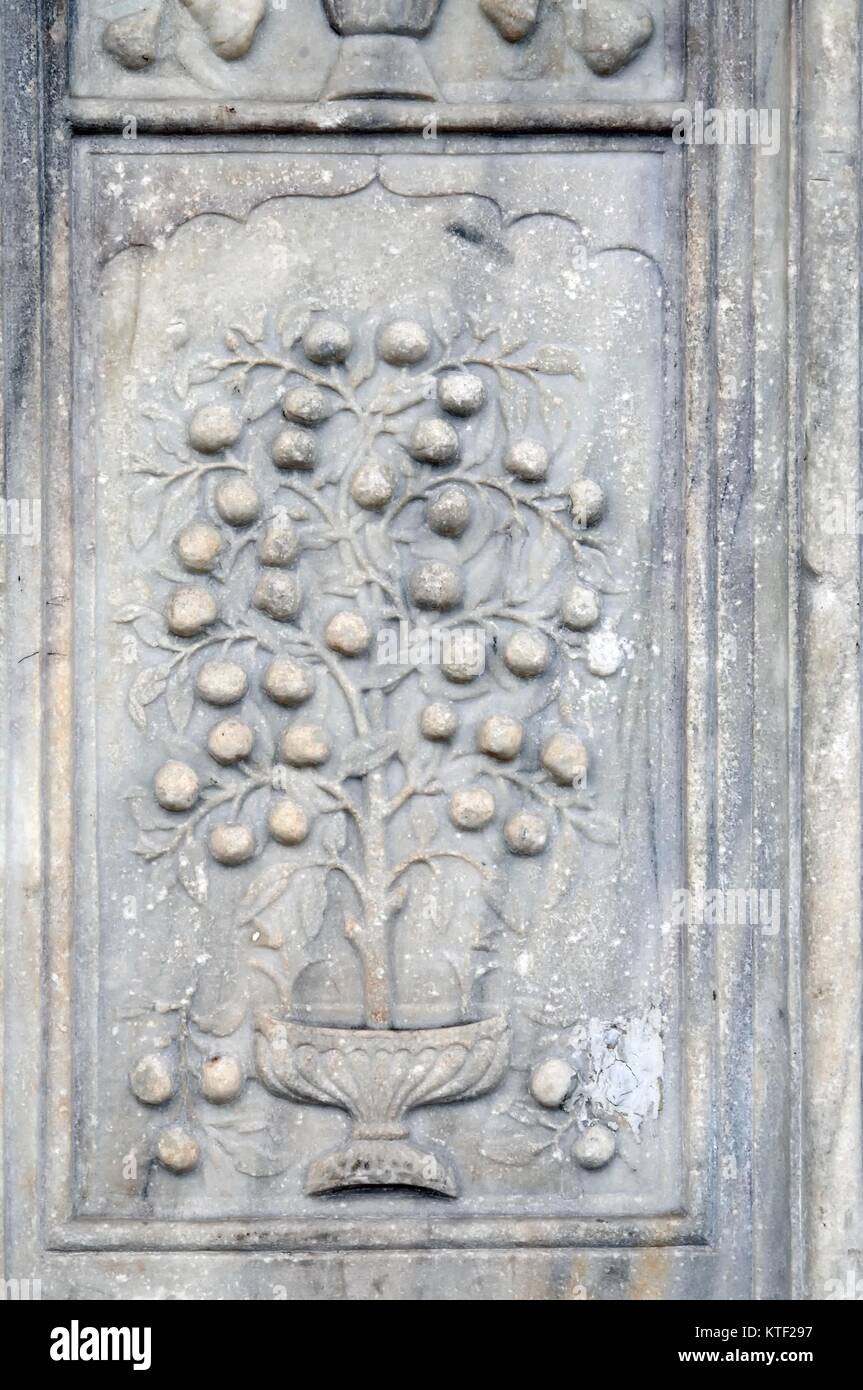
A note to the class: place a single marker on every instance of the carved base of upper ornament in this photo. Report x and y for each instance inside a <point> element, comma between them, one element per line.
<point>380,65</point>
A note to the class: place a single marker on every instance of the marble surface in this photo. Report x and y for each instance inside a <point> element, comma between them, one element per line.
<point>346,964</point>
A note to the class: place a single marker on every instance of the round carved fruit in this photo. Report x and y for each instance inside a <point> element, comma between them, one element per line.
<point>221,682</point>
<point>221,1080</point>
<point>403,343</point>
<point>198,547</point>
<point>307,405</point>
<point>230,742</point>
<point>289,683</point>
<point>565,757</point>
<point>176,787</point>
<point>527,460</point>
<point>237,502</point>
<point>595,1148</point>
<point>288,822</point>
<point>373,485</point>
<point>305,745</point>
<point>279,596</point>
<point>214,428</point>
<point>604,654</point>
<point>190,610</point>
<point>295,448</point>
<point>579,608</point>
<point>278,545</point>
<point>461,393</point>
<point>435,586</point>
<point>465,659</point>
<point>435,441</point>
<point>439,722</point>
<point>501,736</point>
<point>550,1082</point>
<point>348,634</point>
<point>151,1080</point>
<point>525,834</point>
<point>448,511</point>
<point>177,1151</point>
<point>527,654</point>
<point>327,342</point>
<point>472,809</point>
<point>231,844</point>
<point>588,501</point>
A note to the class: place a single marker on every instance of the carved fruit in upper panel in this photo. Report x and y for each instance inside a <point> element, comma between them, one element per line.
<point>228,27</point>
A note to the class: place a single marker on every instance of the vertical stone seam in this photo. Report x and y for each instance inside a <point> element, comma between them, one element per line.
<point>830,642</point>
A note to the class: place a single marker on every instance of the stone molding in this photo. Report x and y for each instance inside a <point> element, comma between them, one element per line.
<point>770,405</point>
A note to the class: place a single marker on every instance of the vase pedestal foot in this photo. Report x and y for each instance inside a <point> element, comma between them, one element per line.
<point>380,65</point>
<point>380,1163</point>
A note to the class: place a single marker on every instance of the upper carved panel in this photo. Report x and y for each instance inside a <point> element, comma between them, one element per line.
<point>457,51</point>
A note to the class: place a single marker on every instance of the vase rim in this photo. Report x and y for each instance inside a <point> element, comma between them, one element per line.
<point>491,1021</point>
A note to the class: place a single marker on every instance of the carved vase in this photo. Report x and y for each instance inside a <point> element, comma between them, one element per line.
<point>378,1076</point>
<point>379,55</point>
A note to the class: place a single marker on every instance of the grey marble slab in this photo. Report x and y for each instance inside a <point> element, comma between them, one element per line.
<point>343,961</point>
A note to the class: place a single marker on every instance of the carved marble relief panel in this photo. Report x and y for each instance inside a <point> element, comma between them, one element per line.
<point>379,758</point>
<point>306,50</point>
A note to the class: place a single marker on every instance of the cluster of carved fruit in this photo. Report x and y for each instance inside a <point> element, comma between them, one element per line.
<point>500,736</point>
<point>432,586</point>
<point>552,1084</point>
<point>153,1082</point>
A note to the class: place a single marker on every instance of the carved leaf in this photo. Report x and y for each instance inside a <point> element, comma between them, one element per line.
<point>192,870</point>
<point>366,360</point>
<point>503,903</point>
<point>445,322</point>
<point>251,1146</point>
<point>263,394</point>
<point>514,402</point>
<point>129,613</point>
<point>309,902</point>
<point>137,713</point>
<point>335,835</point>
<point>224,1019</point>
<point>516,1149</point>
<point>424,823</point>
<point>209,369</point>
<point>555,361</point>
<point>180,700</point>
<point>363,756</point>
<point>266,890</point>
<point>150,683</point>
<point>602,830</point>
<point>145,512</point>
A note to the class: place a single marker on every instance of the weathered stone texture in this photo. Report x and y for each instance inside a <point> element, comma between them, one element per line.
<point>432,828</point>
